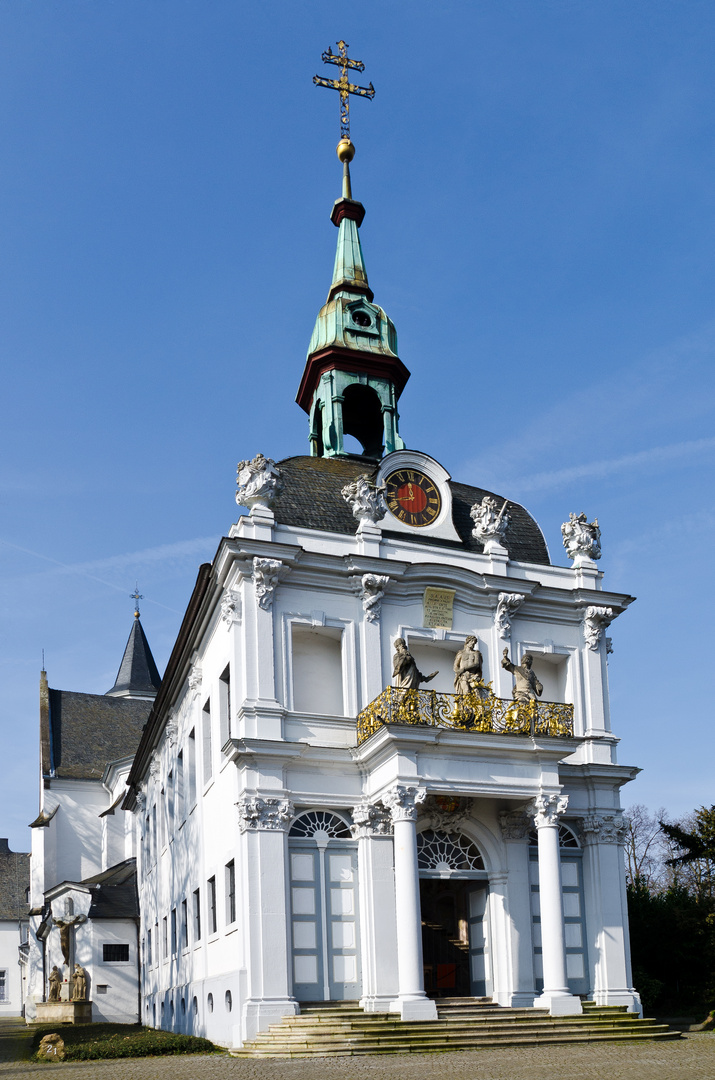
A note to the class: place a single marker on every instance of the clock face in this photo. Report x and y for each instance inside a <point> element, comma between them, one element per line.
<point>412,497</point>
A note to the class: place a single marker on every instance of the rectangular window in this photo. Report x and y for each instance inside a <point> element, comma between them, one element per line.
<point>192,768</point>
<point>180,788</point>
<point>213,925</point>
<point>224,687</point>
<point>164,938</point>
<point>231,892</point>
<point>318,670</point>
<point>3,984</point>
<point>197,915</point>
<point>148,948</point>
<point>162,818</point>
<point>115,954</point>
<point>206,718</point>
<point>173,931</point>
<point>184,925</point>
<point>170,823</point>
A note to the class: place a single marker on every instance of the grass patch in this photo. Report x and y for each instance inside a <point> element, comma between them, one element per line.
<point>89,1042</point>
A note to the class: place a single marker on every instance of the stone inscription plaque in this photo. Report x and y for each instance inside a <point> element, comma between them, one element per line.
<point>438,605</point>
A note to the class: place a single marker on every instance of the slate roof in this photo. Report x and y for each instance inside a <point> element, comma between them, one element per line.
<point>114,892</point>
<point>137,672</point>
<point>14,881</point>
<point>89,730</point>
<point>311,499</point>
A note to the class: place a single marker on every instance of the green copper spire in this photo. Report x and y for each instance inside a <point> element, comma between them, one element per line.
<point>353,375</point>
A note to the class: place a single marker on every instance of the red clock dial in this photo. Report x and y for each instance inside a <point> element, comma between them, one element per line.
<point>412,497</point>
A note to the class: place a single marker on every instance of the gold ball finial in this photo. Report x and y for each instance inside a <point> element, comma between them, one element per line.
<point>345,150</point>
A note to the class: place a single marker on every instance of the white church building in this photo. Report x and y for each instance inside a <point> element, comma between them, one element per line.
<point>312,828</point>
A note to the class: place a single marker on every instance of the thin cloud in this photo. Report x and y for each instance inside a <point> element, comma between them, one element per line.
<point>643,459</point>
<point>134,561</point>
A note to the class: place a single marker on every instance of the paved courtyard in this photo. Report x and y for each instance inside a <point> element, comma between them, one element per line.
<point>691,1058</point>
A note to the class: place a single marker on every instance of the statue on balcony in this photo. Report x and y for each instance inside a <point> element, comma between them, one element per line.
<point>526,685</point>
<point>468,668</point>
<point>405,673</point>
<point>55,981</point>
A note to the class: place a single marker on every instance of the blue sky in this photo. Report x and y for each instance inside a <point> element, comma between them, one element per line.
<point>538,179</point>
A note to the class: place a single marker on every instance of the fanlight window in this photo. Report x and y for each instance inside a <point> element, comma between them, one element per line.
<point>567,838</point>
<point>447,852</point>
<point>320,825</point>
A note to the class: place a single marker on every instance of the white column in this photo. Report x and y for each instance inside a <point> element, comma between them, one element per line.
<point>413,1004</point>
<point>378,924</point>
<point>607,910</point>
<point>515,835</point>
<point>556,996</point>
<point>263,822</point>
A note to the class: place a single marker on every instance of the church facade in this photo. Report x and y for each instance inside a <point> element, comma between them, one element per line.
<point>380,765</point>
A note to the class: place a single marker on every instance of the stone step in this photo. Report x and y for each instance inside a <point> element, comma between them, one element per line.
<point>475,1043</point>
<point>451,1034</point>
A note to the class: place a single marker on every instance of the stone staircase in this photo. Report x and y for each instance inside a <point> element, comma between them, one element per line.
<point>343,1029</point>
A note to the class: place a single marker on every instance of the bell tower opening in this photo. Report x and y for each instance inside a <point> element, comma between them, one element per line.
<point>362,418</point>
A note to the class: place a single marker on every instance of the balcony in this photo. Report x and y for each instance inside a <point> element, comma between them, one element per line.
<point>479,712</point>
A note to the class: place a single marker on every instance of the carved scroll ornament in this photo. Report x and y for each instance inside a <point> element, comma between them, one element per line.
<point>508,605</point>
<point>595,622</point>
<point>266,573</point>
<point>371,589</point>
<point>258,482</point>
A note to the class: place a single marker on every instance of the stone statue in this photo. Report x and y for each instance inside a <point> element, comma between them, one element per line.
<point>526,685</point>
<point>581,538</point>
<point>55,981</point>
<point>468,667</point>
<point>405,674</point>
<point>489,524</point>
<point>79,984</point>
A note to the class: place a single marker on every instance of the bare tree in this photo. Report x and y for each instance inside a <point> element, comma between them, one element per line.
<point>644,847</point>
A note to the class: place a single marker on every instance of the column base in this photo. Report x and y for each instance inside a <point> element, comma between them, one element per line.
<point>376,1003</point>
<point>258,1015</point>
<point>559,1003</point>
<point>414,1008</point>
<point>520,999</point>
<point>630,998</point>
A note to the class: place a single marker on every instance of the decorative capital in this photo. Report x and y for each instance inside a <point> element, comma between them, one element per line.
<point>371,589</point>
<point>507,606</point>
<point>266,573</point>
<point>258,482</point>
<point>445,813</point>
<point>267,814</point>
<point>369,820</point>
<point>595,622</point>
<point>403,801</point>
<point>231,607</point>
<point>515,824</point>
<point>604,828</point>
<point>547,809</point>
<point>366,500</point>
<point>195,677</point>
<point>581,539</point>
<point>490,522</point>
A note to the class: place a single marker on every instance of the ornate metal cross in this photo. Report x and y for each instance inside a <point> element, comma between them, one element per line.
<point>343,84</point>
<point>136,596</point>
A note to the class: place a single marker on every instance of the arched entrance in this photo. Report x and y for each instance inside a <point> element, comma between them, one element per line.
<point>453,894</point>
<point>324,908</point>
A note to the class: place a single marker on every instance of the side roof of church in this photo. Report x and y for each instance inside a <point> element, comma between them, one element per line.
<point>14,882</point>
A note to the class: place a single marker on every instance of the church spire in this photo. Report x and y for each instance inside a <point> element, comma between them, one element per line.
<point>138,676</point>
<point>353,376</point>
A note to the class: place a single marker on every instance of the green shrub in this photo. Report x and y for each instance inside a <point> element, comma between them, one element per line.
<point>88,1042</point>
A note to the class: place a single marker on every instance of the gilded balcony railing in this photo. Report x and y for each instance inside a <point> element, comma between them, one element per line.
<point>480,711</point>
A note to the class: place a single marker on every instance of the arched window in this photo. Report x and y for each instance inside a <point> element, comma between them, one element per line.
<point>440,853</point>
<point>362,418</point>
<point>567,837</point>
<point>320,825</point>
